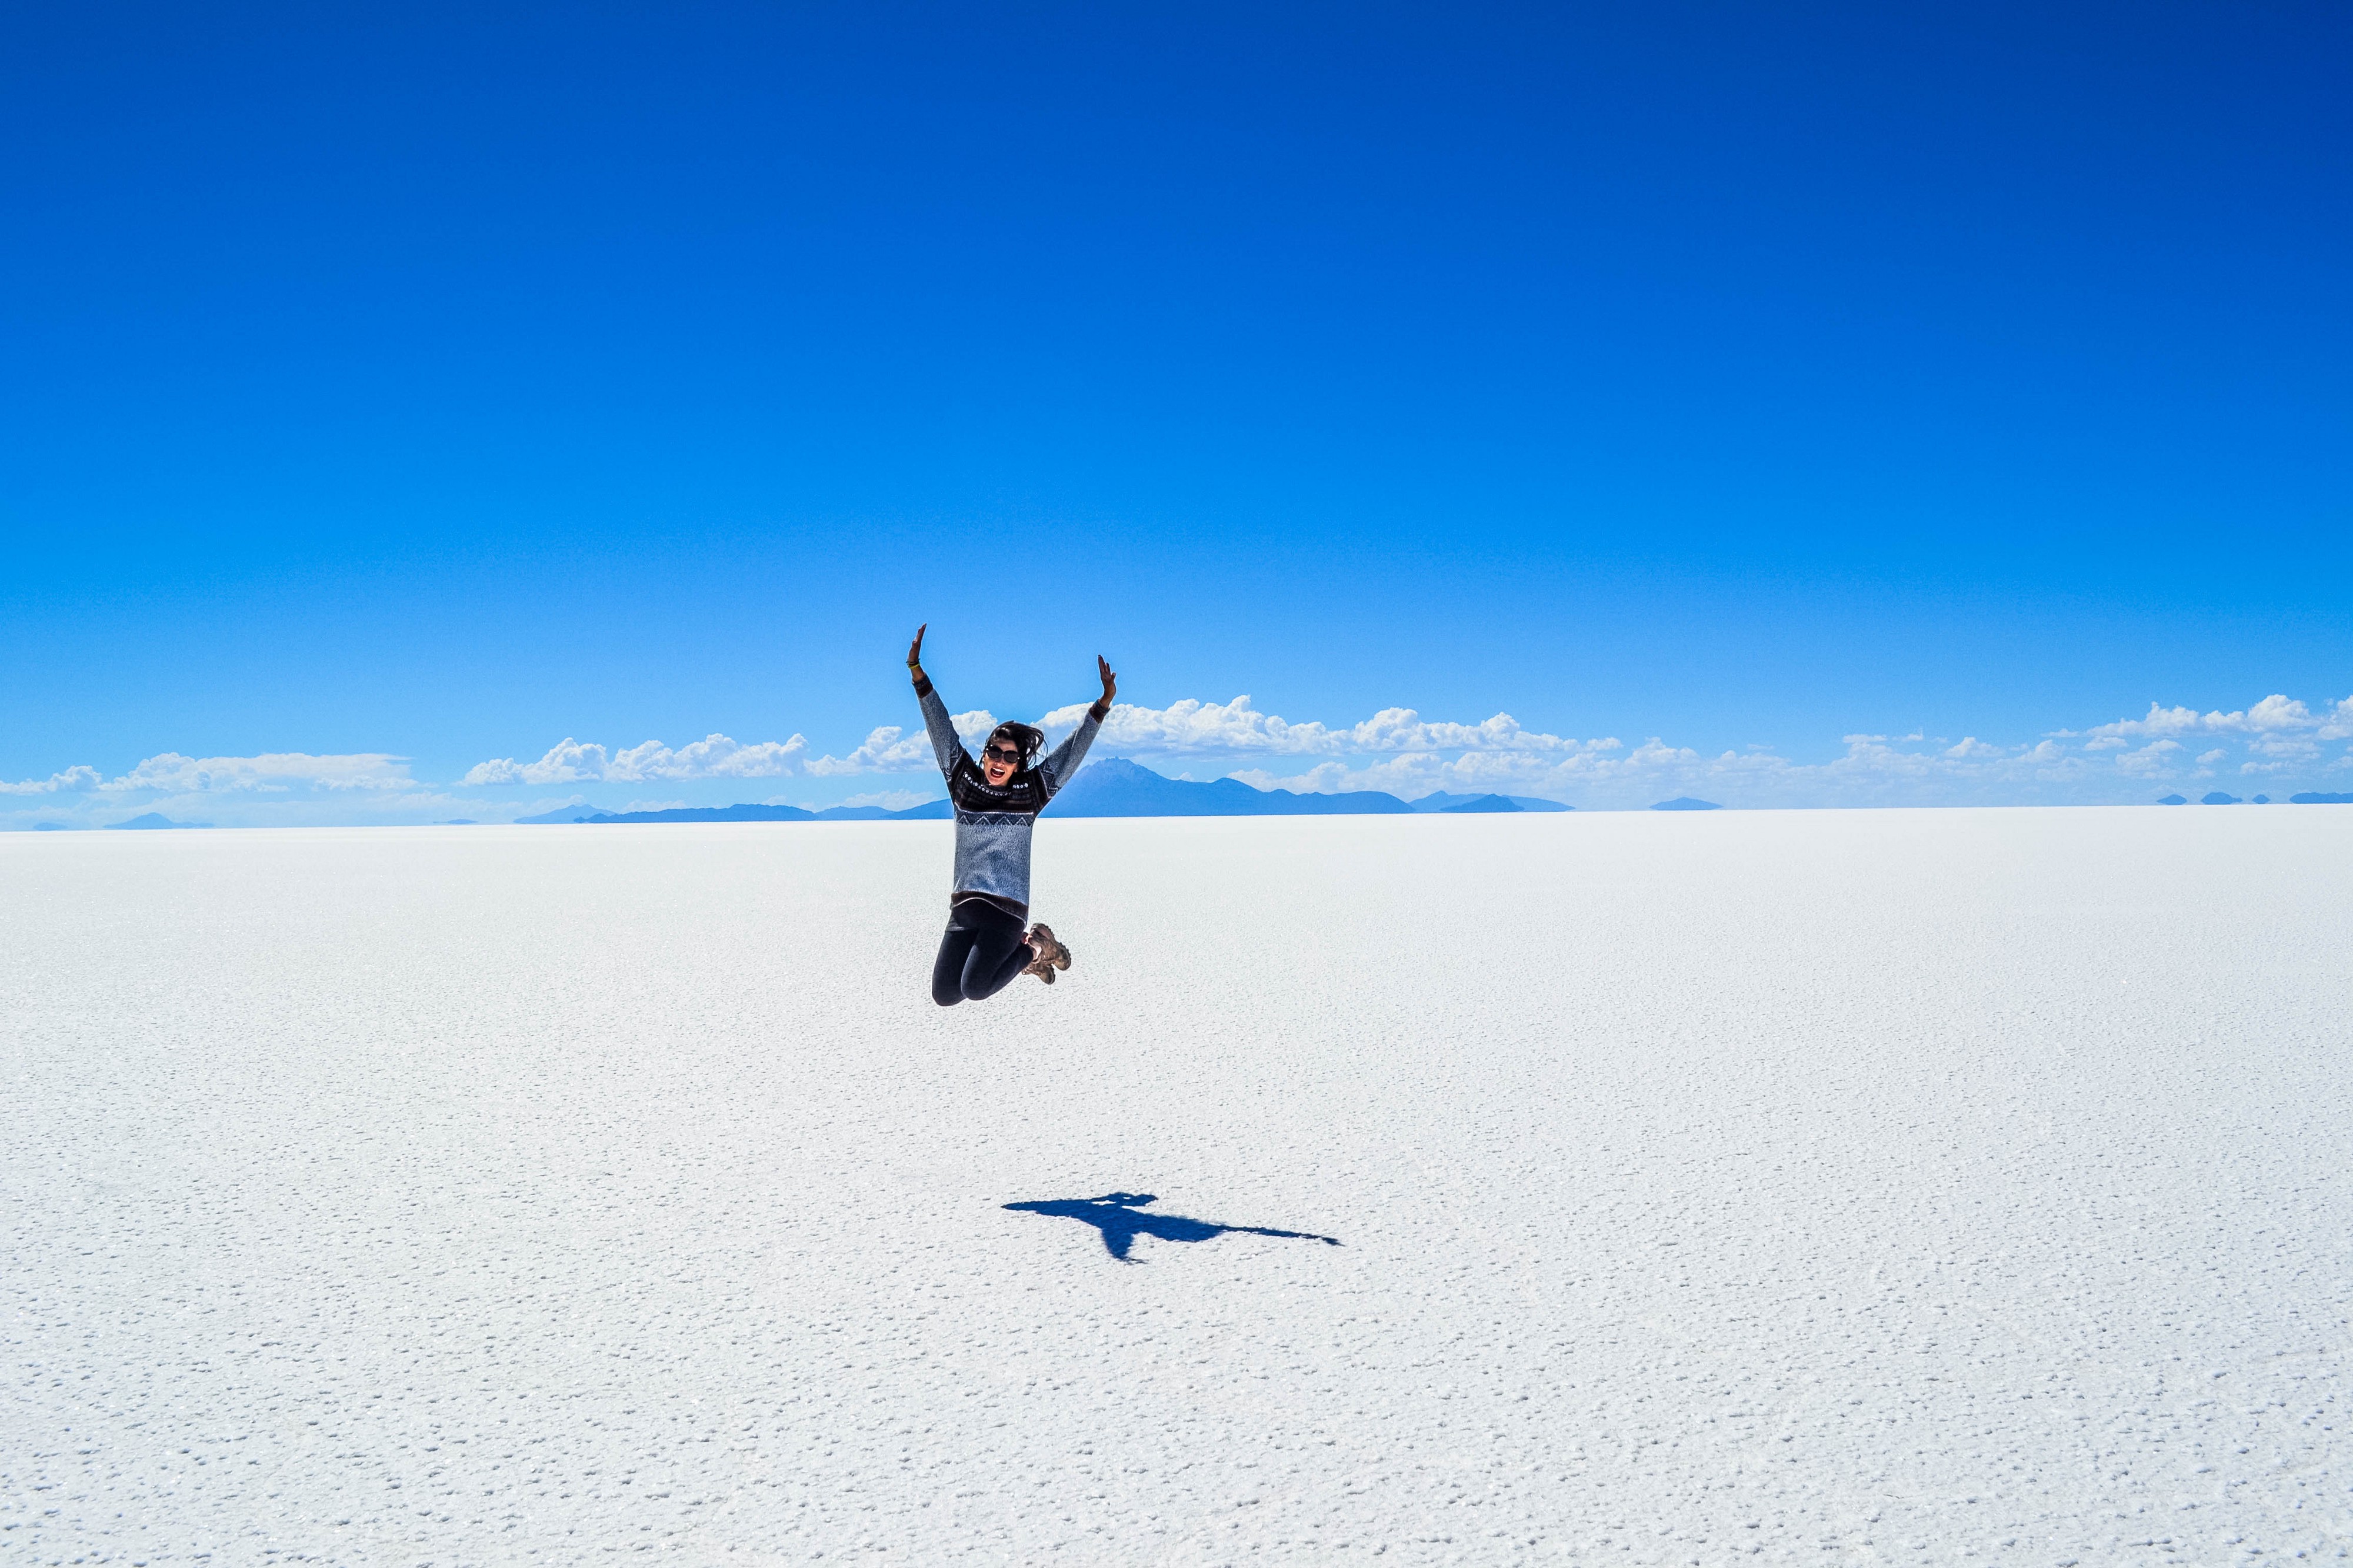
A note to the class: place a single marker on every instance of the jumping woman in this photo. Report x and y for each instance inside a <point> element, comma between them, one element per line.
<point>997,805</point>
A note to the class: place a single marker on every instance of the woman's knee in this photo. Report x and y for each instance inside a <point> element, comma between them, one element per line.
<point>947,992</point>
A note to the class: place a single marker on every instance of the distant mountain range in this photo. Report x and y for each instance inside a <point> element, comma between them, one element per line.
<point>935,809</point>
<point>1441,801</point>
<point>1117,787</point>
<point>1109,786</point>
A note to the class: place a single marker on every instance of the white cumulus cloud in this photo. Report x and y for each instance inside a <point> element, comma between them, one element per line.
<point>1194,726</point>
<point>889,749</point>
<point>169,772</point>
<point>1191,726</point>
<point>715,756</point>
<point>77,780</point>
<point>2275,713</point>
<point>174,773</point>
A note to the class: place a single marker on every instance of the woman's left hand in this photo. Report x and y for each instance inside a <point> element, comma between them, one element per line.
<point>1110,680</point>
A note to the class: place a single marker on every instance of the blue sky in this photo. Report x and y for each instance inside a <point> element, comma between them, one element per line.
<point>434,384</point>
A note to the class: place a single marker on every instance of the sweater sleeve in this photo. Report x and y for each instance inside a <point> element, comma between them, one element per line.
<point>945,745</point>
<point>1064,759</point>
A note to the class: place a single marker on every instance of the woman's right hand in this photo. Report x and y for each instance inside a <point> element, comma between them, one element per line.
<point>915,650</point>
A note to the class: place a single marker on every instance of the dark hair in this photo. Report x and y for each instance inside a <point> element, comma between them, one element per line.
<point>1030,740</point>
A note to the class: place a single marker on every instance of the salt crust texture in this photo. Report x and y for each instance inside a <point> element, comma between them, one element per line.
<point>1822,1187</point>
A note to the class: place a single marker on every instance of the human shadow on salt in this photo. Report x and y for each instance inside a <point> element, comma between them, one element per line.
<point>1120,1217</point>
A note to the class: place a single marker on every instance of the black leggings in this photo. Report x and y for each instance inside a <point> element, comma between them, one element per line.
<point>980,954</point>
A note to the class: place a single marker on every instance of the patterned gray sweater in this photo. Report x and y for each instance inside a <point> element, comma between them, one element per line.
<point>994,826</point>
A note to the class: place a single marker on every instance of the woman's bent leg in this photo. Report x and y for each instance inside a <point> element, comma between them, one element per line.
<point>991,969</point>
<point>947,969</point>
<point>996,952</point>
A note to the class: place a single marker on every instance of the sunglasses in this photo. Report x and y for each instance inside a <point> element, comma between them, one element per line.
<point>1003,755</point>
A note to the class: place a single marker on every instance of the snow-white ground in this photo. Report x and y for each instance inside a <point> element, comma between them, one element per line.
<point>1824,1187</point>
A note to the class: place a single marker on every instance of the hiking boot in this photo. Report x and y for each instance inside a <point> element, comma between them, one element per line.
<point>1041,964</point>
<point>1049,946</point>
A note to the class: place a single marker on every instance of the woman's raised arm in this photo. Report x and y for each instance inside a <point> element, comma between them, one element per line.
<point>1102,708</point>
<point>946,745</point>
<point>1065,758</point>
